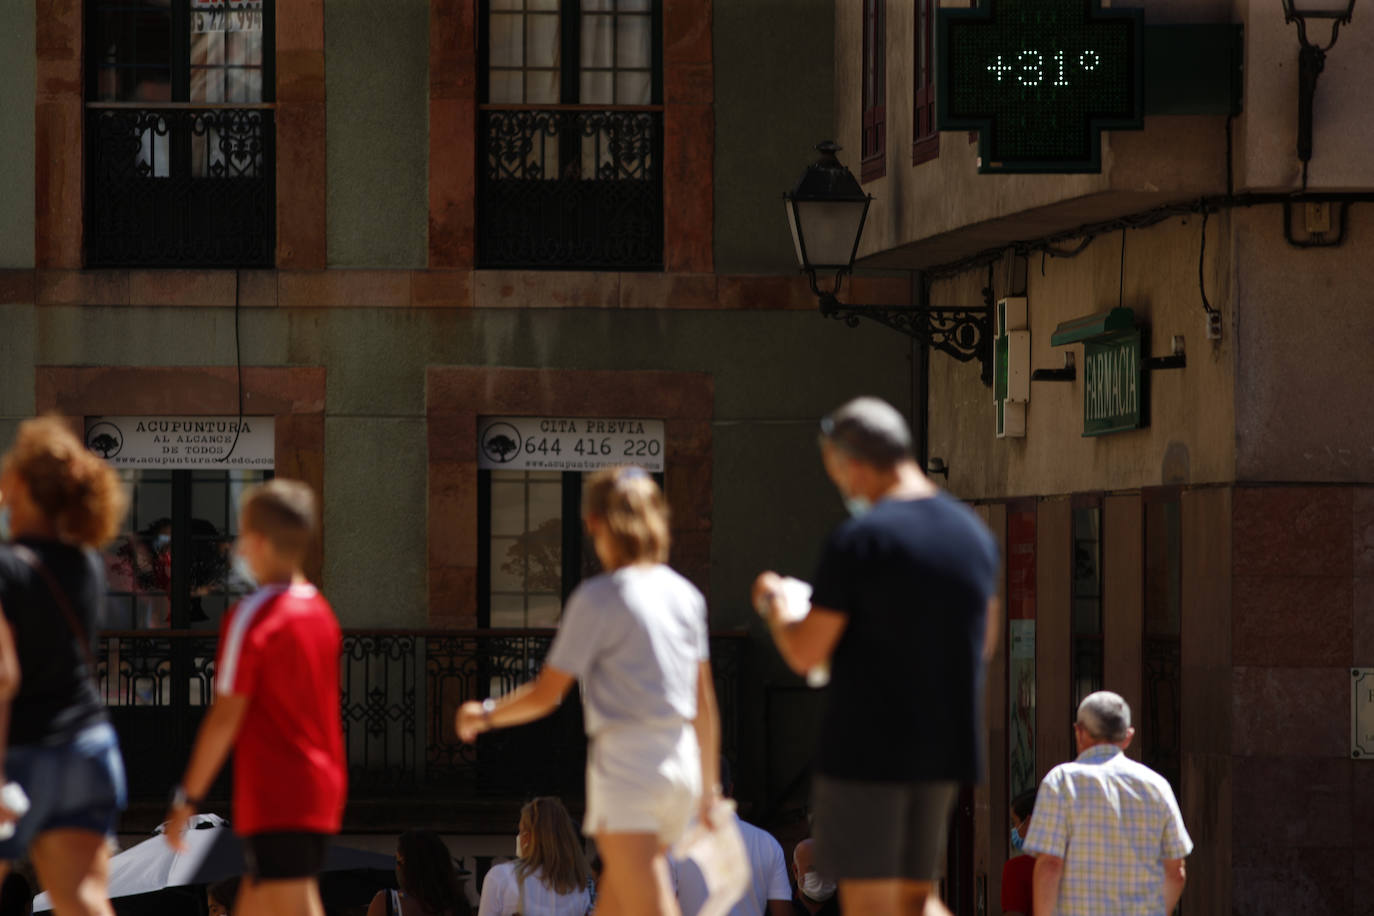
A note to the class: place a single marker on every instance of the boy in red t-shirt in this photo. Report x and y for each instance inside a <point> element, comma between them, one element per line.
<point>277,704</point>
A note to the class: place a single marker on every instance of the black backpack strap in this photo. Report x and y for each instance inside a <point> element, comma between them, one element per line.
<point>59,596</point>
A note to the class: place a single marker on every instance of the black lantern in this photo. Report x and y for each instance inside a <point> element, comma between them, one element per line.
<point>1312,59</point>
<point>826,211</point>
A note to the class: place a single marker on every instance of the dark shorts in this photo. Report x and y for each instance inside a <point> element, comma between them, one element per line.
<point>873,830</point>
<point>285,856</point>
<point>74,786</point>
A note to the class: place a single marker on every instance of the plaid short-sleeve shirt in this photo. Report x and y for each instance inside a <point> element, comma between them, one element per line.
<point>1113,821</point>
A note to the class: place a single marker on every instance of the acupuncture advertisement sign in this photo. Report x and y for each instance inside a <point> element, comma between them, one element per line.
<point>184,442</point>
<point>569,444</point>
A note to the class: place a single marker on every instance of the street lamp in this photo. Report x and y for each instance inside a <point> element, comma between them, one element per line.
<point>1312,59</point>
<point>826,212</point>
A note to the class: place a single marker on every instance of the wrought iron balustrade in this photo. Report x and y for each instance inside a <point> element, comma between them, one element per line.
<point>180,186</point>
<point>399,692</point>
<point>570,188</point>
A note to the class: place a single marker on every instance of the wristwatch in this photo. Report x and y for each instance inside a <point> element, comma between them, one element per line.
<point>179,798</point>
<point>488,707</point>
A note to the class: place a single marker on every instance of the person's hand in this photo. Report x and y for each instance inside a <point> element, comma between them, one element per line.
<point>471,721</point>
<point>766,593</point>
<point>709,799</point>
<point>7,815</point>
<point>178,819</point>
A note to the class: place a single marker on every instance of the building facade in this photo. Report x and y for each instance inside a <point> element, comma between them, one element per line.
<point>1192,533</point>
<point>339,242</point>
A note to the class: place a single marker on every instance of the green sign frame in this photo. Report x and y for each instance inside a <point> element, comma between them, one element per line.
<point>1040,80</point>
<point>1113,384</point>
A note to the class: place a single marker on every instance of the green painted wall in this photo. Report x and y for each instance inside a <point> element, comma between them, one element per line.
<point>17,75</point>
<point>770,111</point>
<point>376,92</point>
<point>775,374</point>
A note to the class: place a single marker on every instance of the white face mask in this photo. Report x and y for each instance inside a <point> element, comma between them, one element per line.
<point>857,505</point>
<point>817,888</point>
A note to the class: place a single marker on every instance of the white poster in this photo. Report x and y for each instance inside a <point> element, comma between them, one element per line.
<point>562,444</point>
<point>190,442</point>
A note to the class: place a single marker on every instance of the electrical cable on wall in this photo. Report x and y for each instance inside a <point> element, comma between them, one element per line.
<point>238,365</point>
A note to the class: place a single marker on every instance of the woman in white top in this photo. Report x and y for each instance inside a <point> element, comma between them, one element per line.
<point>636,638</point>
<point>549,876</point>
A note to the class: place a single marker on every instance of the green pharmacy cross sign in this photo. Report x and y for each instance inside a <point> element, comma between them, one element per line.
<point>1040,80</point>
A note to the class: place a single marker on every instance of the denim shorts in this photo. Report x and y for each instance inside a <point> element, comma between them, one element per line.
<point>74,786</point>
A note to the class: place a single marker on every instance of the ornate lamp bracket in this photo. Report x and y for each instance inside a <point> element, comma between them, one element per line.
<point>961,332</point>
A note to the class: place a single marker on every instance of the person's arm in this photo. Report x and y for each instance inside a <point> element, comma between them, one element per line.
<point>1175,874</point>
<point>1048,870</point>
<point>780,907</point>
<point>378,905</point>
<point>213,741</point>
<point>526,703</point>
<point>808,642</point>
<point>707,725</point>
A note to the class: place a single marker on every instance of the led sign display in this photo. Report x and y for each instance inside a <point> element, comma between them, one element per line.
<point>1040,80</point>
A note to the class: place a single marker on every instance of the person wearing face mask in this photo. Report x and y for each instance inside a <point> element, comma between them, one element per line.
<point>815,892</point>
<point>1016,873</point>
<point>902,610</point>
<point>550,875</point>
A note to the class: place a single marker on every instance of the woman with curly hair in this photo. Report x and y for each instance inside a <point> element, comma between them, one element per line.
<point>62,503</point>
<point>429,883</point>
<point>550,875</point>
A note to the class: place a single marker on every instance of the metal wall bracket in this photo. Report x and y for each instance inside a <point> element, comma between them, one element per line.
<point>963,333</point>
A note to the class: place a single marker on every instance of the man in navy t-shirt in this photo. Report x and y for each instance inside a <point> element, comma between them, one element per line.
<point>903,610</point>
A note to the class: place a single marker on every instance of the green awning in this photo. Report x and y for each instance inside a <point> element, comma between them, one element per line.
<point>1099,325</point>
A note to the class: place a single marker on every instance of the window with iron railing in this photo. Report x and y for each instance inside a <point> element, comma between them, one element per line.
<point>180,133</point>
<point>570,134</point>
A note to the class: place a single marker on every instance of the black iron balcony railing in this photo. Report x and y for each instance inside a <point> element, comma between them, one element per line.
<point>570,187</point>
<point>180,186</point>
<point>400,690</point>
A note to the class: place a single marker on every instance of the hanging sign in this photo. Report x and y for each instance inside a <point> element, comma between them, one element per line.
<point>184,442</point>
<point>568,444</point>
<point>1040,80</point>
<point>1112,384</point>
<point>226,16</point>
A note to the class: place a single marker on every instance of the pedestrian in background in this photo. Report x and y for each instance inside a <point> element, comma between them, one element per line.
<point>62,502</point>
<point>1107,833</point>
<point>429,882</point>
<point>815,892</point>
<point>900,611</point>
<point>1017,872</point>
<point>550,875</point>
<point>636,637</point>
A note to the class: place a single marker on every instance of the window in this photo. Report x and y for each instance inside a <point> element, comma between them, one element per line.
<point>1087,599</point>
<point>1021,775</point>
<point>925,143</point>
<point>577,181</point>
<point>179,133</point>
<point>533,548</point>
<point>873,163</point>
<point>172,567</point>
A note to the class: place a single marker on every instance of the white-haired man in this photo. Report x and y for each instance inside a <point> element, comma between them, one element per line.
<point>1107,832</point>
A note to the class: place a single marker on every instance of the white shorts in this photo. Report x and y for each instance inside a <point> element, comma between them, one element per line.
<point>643,779</point>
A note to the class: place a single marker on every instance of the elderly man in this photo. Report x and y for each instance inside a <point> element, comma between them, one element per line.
<point>903,593</point>
<point>815,893</point>
<point>1107,830</point>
